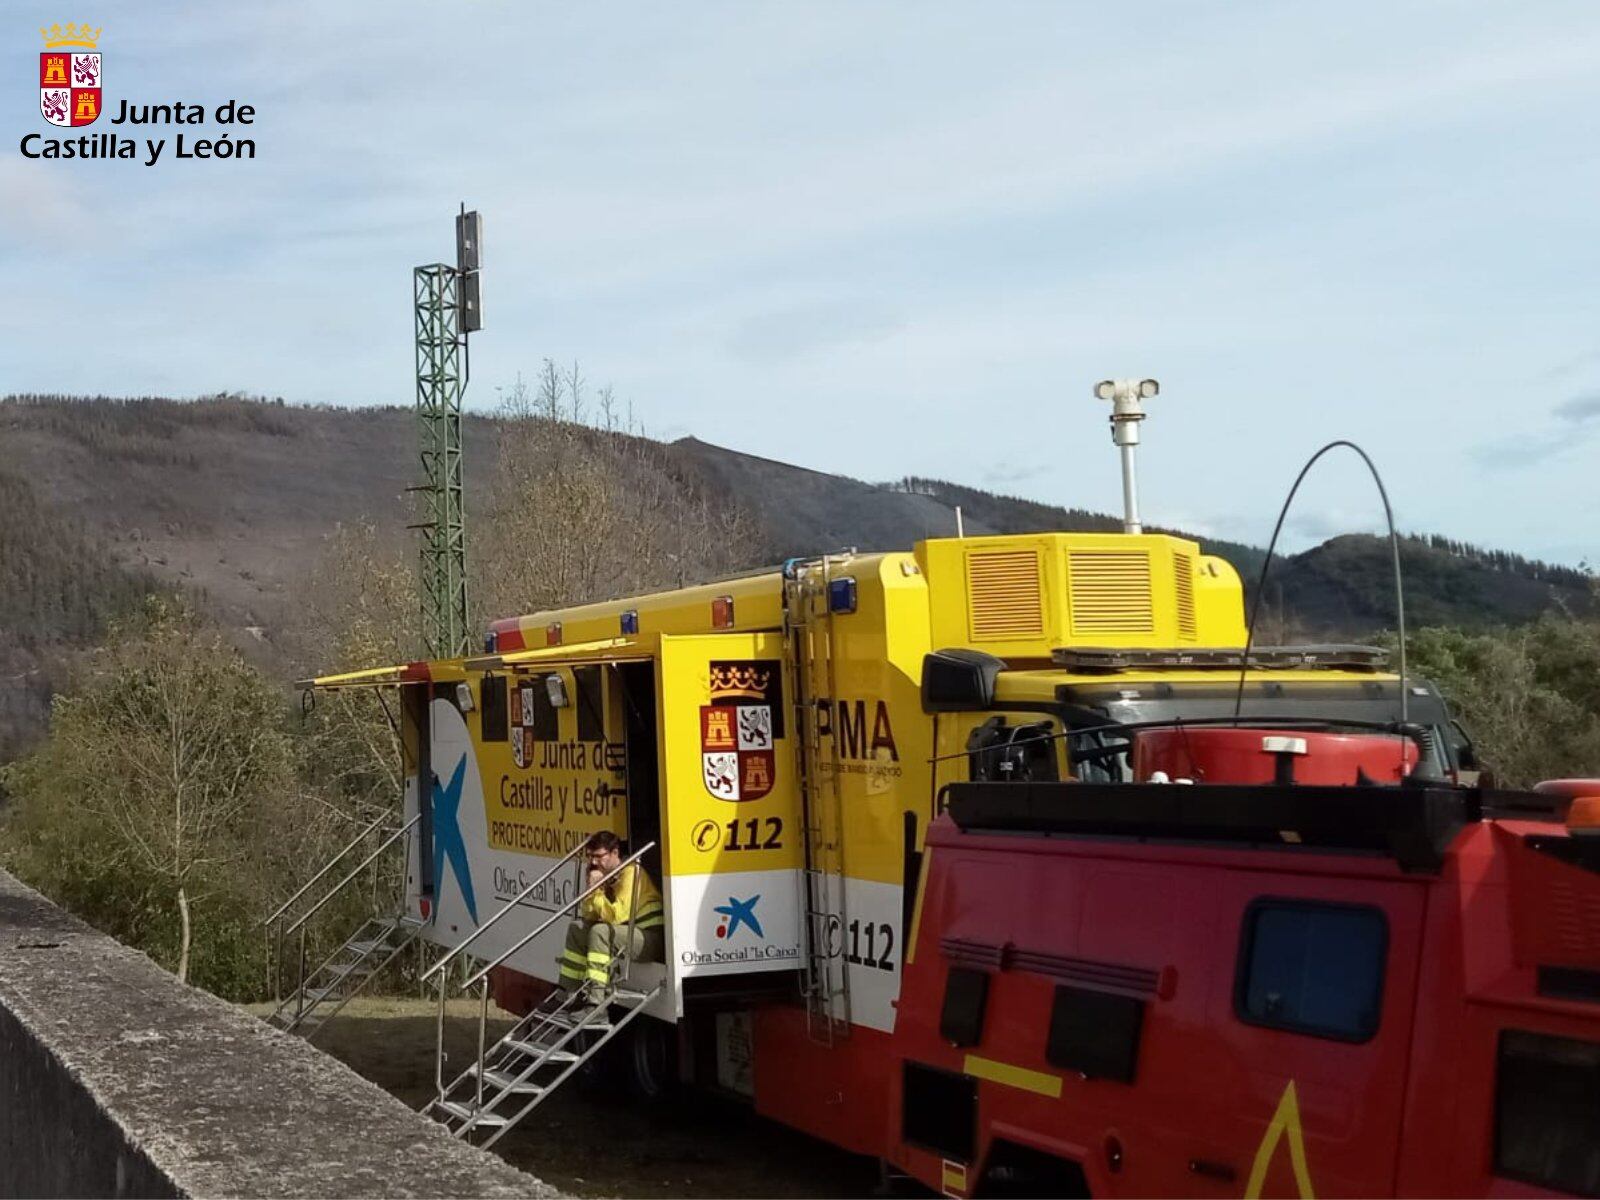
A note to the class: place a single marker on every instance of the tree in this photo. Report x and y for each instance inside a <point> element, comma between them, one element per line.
<point>1530,697</point>
<point>580,512</point>
<point>168,756</point>
<point>360,610</point>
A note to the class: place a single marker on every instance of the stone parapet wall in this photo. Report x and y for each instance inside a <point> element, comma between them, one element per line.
<point>117,1080</point>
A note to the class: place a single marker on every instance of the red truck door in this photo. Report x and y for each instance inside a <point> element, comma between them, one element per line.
<point>1315,1017</point>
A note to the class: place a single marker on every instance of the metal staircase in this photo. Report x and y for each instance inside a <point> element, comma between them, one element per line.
<point>808,650</point>
<point>338,978</point>
<point>511,1077</point>
<point>321,992</point>
<point>538,1053</point>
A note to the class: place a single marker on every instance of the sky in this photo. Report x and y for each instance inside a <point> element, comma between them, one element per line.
<point>879,239</point>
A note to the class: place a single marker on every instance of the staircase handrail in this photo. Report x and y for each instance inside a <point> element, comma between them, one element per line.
<point>356,870</point>
<point>509,905</point>
<point>563,910</point>
<point>328,866</point>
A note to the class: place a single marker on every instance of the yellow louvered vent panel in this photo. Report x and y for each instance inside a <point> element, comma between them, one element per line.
<point>1183,581</point>
<point>1110,592</point>
<point>1007,600</point>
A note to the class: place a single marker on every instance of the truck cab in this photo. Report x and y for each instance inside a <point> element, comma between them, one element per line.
<point>1250,987</point>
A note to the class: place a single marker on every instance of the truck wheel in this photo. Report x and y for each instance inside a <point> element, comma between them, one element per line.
<point>652,1060</point>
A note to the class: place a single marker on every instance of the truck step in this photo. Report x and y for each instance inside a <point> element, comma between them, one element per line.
<point>505,1081</point>
<point>464,1113</point>
<point>539,1050</point>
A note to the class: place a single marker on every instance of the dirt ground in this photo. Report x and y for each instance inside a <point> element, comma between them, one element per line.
<point>587,1145</point>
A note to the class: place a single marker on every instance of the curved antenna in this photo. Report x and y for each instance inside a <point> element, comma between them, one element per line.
<point>1261,584</point>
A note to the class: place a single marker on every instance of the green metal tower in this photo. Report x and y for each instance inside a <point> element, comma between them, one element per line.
<point>447,310</point>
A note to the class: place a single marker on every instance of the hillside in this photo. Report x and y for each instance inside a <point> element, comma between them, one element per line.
<point>1346,585</point>
<point>235,500</point>
<point>58,586</point>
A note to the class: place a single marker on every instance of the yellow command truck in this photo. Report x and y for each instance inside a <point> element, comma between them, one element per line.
<point>776,745</point>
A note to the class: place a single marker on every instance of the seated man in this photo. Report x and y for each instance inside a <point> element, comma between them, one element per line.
<point>601,931</point>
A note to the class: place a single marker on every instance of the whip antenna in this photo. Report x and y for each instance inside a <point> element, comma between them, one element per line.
<point>1261,585</point>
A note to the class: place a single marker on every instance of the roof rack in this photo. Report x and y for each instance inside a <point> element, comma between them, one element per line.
<point>1106,660</point>
<point>1412,823</point>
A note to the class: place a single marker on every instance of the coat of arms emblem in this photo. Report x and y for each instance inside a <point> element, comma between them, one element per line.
<point>739,729</point>
<point>69,75</point>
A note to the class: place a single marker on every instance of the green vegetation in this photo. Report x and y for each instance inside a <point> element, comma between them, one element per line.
<point>144,428</point>
<point>57,584</point>
<point>1529,696</point>
<point>583,508</point>
<point>59,587</point>
<point>158,786</point>
<point>169,804</point>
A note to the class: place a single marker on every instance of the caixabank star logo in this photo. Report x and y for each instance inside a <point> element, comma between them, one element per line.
<point>69,75</point>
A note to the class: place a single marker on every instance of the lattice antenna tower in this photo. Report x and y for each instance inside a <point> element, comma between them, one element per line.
<point>447,305</point>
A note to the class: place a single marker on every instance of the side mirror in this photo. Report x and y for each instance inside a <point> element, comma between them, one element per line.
<point>959,680</point>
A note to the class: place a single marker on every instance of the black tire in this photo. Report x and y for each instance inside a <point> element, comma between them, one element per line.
<point>650,1058</point>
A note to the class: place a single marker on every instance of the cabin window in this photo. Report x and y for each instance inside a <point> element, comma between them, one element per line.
<point>1547,1112</point>
<point>966,993</point>
<point>1095,1033</point>
<point>1568,983</point>
<point>492,708</point>
<point>1312,968</point>
<point>591,714</point>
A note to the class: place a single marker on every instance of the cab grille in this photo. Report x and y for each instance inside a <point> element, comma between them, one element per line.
<point>1110,591</point>
<point>1006,597</point>
<point>1183,581</point>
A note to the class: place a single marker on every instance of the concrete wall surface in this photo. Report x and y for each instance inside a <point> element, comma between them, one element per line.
<point>117,1080</point>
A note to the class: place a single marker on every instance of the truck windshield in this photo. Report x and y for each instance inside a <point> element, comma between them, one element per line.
<point>1101,755</point>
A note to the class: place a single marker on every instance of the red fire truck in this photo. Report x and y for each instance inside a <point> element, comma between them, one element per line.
<point>1253,987</point>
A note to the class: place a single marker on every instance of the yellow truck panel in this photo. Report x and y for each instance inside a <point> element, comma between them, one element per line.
<point>770,734</point>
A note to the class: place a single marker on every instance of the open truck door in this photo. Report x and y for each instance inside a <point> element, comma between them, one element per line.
<point>414,691</point>
<point>731,820</point>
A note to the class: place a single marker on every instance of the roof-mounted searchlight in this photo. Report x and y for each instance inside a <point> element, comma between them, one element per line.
<point>1127,398</point>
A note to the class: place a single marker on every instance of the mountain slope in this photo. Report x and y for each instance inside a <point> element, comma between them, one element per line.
<point>230,497</point>
<point>234,500</point>
<point>1346,585</point>
<point>59,587</point>
<point>811,512</point>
